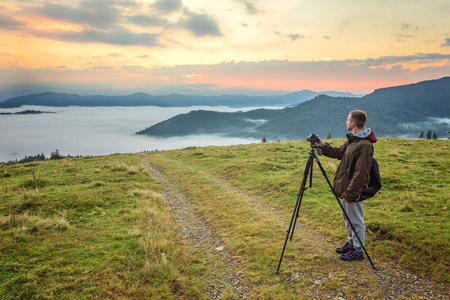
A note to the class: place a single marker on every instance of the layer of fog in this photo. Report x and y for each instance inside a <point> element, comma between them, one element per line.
<point>96,131</point>
<point>440,125</point>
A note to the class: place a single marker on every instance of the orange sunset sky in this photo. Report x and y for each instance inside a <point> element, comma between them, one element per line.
<point>220,47</point>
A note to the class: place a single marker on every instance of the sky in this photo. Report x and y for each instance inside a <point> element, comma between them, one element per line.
<point>254,47</point>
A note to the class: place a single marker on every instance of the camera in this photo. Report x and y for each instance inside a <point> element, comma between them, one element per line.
<point>312,138</point>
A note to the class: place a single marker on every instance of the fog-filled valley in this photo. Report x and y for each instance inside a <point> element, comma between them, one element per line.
<point>95,131</point>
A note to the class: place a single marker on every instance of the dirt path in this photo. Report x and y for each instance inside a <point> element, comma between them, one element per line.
<point>223,274</point>
<point>385,282</point>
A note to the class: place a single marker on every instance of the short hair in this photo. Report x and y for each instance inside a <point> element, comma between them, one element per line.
<point>359,117</point>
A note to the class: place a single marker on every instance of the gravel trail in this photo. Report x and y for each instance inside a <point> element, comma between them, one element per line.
<point>223,273</point>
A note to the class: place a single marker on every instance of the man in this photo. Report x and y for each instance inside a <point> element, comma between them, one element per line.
<point>352,176</point>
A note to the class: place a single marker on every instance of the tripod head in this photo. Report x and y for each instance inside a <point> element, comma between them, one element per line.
<point>319,150</point>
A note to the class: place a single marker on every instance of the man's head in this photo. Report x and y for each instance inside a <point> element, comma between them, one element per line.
<point>356,120</point>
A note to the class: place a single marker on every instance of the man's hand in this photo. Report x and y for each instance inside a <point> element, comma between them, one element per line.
<point>321,143</point>
<point>357,199</point>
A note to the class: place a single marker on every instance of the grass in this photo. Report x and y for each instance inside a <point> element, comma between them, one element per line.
<point>89,228</point>
<point>407,221</point>
<point>97,227</point>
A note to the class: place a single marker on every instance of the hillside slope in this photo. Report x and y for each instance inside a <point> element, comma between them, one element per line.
<point>209,223</point>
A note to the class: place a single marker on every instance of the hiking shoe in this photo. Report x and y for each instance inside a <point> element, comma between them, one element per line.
<point>345,248</point>
<point>352,255</point>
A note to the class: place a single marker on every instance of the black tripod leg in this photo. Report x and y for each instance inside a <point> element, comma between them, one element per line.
<point>343,210</point>
<point>297,207</point>
<point>300,193</point>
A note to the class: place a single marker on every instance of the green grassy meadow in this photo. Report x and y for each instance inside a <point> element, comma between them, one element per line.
<point>98,228</point>
<point>88,228</point>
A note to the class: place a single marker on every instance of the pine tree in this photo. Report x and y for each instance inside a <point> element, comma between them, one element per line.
<point>329,136</point>
<point>421,135</point>
<point>55,155</point>
<point>434,136</point>
<point>429,135</point>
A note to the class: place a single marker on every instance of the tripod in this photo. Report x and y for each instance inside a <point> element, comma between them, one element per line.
<point>309,170</point>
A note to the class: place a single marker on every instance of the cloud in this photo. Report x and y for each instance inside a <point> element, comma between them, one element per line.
<point>101,19</point>
<point>117,36</point>
<point>293,37</point>
<point>127,3</point>
<point>407,26</point>
<point>102,130</point>
<point>446,44</point>
<point>401,37</point>
<point>167,6</point>
<point>147,20</point>
<point>95,13</point>
<point>10,23</point>
<point>388,60</point>
<point>102,68</point>
<point>249,7</point>
<point>262,78</point>
<point>200,24</point>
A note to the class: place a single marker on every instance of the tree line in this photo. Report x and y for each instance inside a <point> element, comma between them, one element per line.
<point>40,157</point>
<point>429,135</point>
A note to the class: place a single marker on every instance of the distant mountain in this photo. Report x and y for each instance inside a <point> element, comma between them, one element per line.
<point>396,111</point>
<point>142,99</point>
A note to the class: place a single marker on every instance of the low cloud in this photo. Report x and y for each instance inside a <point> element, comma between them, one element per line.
<point>388,60</point>
<point>96,131</point>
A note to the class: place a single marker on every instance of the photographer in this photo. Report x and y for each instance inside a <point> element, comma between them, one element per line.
<point>352,176</point>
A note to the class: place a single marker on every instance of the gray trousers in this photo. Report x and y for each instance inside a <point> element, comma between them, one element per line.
<point>355,213</point>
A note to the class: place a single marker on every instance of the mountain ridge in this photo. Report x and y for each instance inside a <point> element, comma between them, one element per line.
<point>393,111</point>
<point>179,100</point>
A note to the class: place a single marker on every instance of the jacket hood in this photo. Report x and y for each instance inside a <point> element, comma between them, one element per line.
<point>366,133</point>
